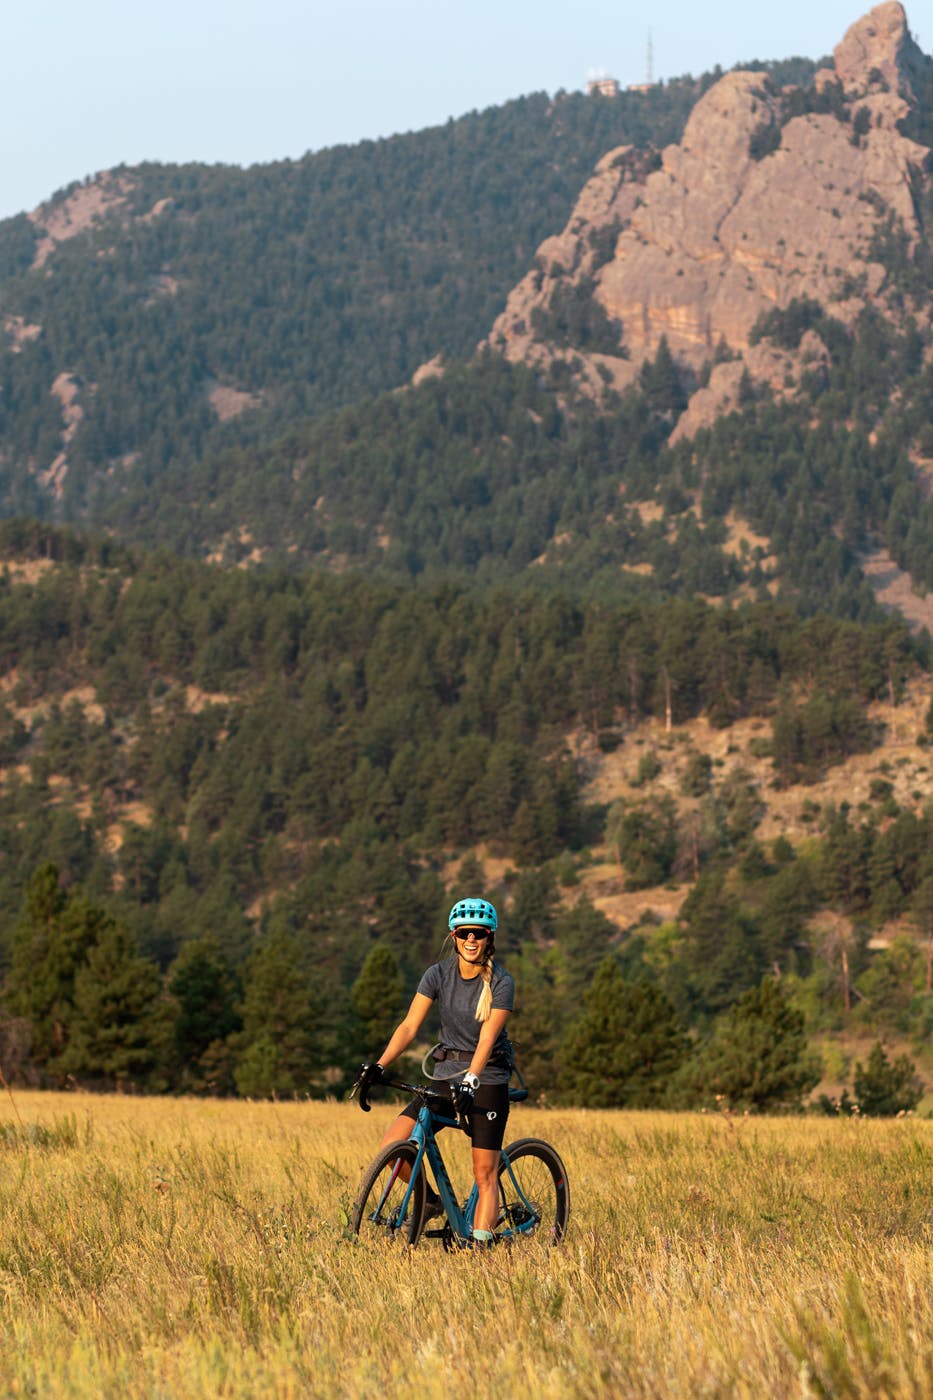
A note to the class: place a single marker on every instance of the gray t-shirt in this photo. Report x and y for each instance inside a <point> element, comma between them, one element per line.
<point>457,998</point>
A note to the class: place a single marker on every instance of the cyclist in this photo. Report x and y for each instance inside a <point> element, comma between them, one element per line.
<point>474,1057</point>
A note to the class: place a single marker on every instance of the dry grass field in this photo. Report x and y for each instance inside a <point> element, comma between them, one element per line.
<point>174,1248</point>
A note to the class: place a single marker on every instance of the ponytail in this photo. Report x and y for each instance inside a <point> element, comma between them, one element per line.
<point>484,1005</point>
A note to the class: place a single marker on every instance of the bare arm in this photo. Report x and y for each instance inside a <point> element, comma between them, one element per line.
<point>406,1031</point>
<point>487,1039</point>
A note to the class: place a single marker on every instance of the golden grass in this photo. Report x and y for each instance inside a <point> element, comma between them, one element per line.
<point>184,1249</point>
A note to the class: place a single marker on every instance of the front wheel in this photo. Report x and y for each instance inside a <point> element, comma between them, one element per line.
<point>388,1205</point>
<point>534,1194</point>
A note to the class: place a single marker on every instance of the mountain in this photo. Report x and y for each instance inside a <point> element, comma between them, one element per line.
<point>581,617</point>
<point>774,195</point>
<point>156,312</point>
<point>705,384</point>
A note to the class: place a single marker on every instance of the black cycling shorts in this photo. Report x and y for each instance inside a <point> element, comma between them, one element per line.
<point>488,1118</point>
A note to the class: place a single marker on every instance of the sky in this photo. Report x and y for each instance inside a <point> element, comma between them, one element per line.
<point>89,84</point>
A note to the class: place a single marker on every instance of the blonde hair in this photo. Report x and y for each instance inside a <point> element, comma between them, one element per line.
<point>484,1005</point>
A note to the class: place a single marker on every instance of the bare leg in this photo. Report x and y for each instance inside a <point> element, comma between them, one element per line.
<point>486,1172</point>
<point>398,1131</point>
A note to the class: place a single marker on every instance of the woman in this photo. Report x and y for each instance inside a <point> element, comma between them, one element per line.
<point>474,1057</point>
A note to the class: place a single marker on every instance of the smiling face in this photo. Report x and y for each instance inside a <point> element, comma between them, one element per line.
<point>471,946</point>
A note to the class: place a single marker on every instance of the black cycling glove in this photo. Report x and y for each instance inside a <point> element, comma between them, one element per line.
<point>464,1094</point>
<point>370,1073</point>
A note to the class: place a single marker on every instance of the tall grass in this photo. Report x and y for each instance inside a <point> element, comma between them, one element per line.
<point>178,1248</point>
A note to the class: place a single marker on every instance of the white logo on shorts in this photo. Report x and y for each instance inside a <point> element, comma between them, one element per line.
<point>492,1114</point>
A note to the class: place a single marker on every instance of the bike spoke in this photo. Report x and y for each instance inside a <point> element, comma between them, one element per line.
<point>389,1206</point>
<point>533,1194</point>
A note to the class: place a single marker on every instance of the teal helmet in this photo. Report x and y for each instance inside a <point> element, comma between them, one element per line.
<point>477,913</point>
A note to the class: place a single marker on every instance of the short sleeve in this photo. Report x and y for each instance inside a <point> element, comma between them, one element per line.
<point>430,983</point>
<point>503,991</point>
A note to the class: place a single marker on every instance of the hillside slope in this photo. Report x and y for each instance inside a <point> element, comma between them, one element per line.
<point>158,310</point>
<point>222,761</point>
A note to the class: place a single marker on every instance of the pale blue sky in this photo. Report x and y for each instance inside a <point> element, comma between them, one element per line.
<point>88,84</point>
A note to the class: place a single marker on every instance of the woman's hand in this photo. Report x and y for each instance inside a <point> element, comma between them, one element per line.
<point>463,1095</point>
<point>370,1073</point>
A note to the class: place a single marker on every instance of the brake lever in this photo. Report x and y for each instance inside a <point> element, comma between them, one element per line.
<point>363,1090</point>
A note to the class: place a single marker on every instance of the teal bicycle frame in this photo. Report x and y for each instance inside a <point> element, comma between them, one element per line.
<point>459,1218</point>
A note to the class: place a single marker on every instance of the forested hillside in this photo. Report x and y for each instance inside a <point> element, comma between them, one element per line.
<point>302,285</point>
<point>484,474</point>
<point>235,807</point>
<point>160,312</point>
<point>345,645</point>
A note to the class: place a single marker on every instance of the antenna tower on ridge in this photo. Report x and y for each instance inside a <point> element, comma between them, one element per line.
<point>648,84</point>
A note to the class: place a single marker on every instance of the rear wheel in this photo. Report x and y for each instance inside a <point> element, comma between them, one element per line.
<point>388,1206</point>
<point>534,1195</point>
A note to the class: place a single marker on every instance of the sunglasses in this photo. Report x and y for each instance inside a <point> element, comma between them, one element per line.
<point>471,933</point>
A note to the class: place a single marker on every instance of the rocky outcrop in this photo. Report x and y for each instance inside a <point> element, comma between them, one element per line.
<point>754,208</point>
<point>67,391</point>
<point>606,205</point>
<point>878,53</point>
<point>86,206</point>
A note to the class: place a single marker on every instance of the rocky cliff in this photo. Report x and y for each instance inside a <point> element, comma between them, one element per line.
<point>772,195</point>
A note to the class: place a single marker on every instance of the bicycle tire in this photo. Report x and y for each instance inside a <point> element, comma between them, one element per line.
<point>381,1194</point>
<point>540,1206</point>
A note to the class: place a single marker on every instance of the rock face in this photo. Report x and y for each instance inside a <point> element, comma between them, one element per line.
<point>754,208</point>
<point>879,44</point>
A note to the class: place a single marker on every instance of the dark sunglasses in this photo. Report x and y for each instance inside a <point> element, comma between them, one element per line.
<point>471,932</point>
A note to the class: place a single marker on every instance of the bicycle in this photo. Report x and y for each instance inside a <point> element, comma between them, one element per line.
<point>534,1194</point>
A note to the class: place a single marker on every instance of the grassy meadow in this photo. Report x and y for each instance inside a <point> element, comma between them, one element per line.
<point>177,1248</point>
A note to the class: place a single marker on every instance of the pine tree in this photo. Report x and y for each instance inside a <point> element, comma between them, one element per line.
<point>757,1056</point>
<point>376,998</point>
<point>722,953</point>
<point>204,990</point>
<point>536,1025</point>
<point>119,1027</point>
<point>583,935</point>
<point>277,1051</point>
<point>624,1049</point>
<point>884,1088</point>
<point>922,916</point>
<point>51,942</point>
<point>645,840</point>
<point>660,382</point>
<point>890,983</point>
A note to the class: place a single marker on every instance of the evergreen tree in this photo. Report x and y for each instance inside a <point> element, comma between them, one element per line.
<point>533,910</point>
<point>205,992</point>
<point>51,942</point>
<point>645,840</point>
<point>376,998</point>
<point>583,936</point>
<point>884,1088</point>
<point>845,857</point>
<point>277,1051</point>
<point>757,1056</point>
<point>922,915</point>
<point>120,1027</point>
<point>536,1025</point>
<point>890,983</point>
<point>661,383</point>
<point>722,952</point>
<point>624,1048</point>
<point>789,899</point>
